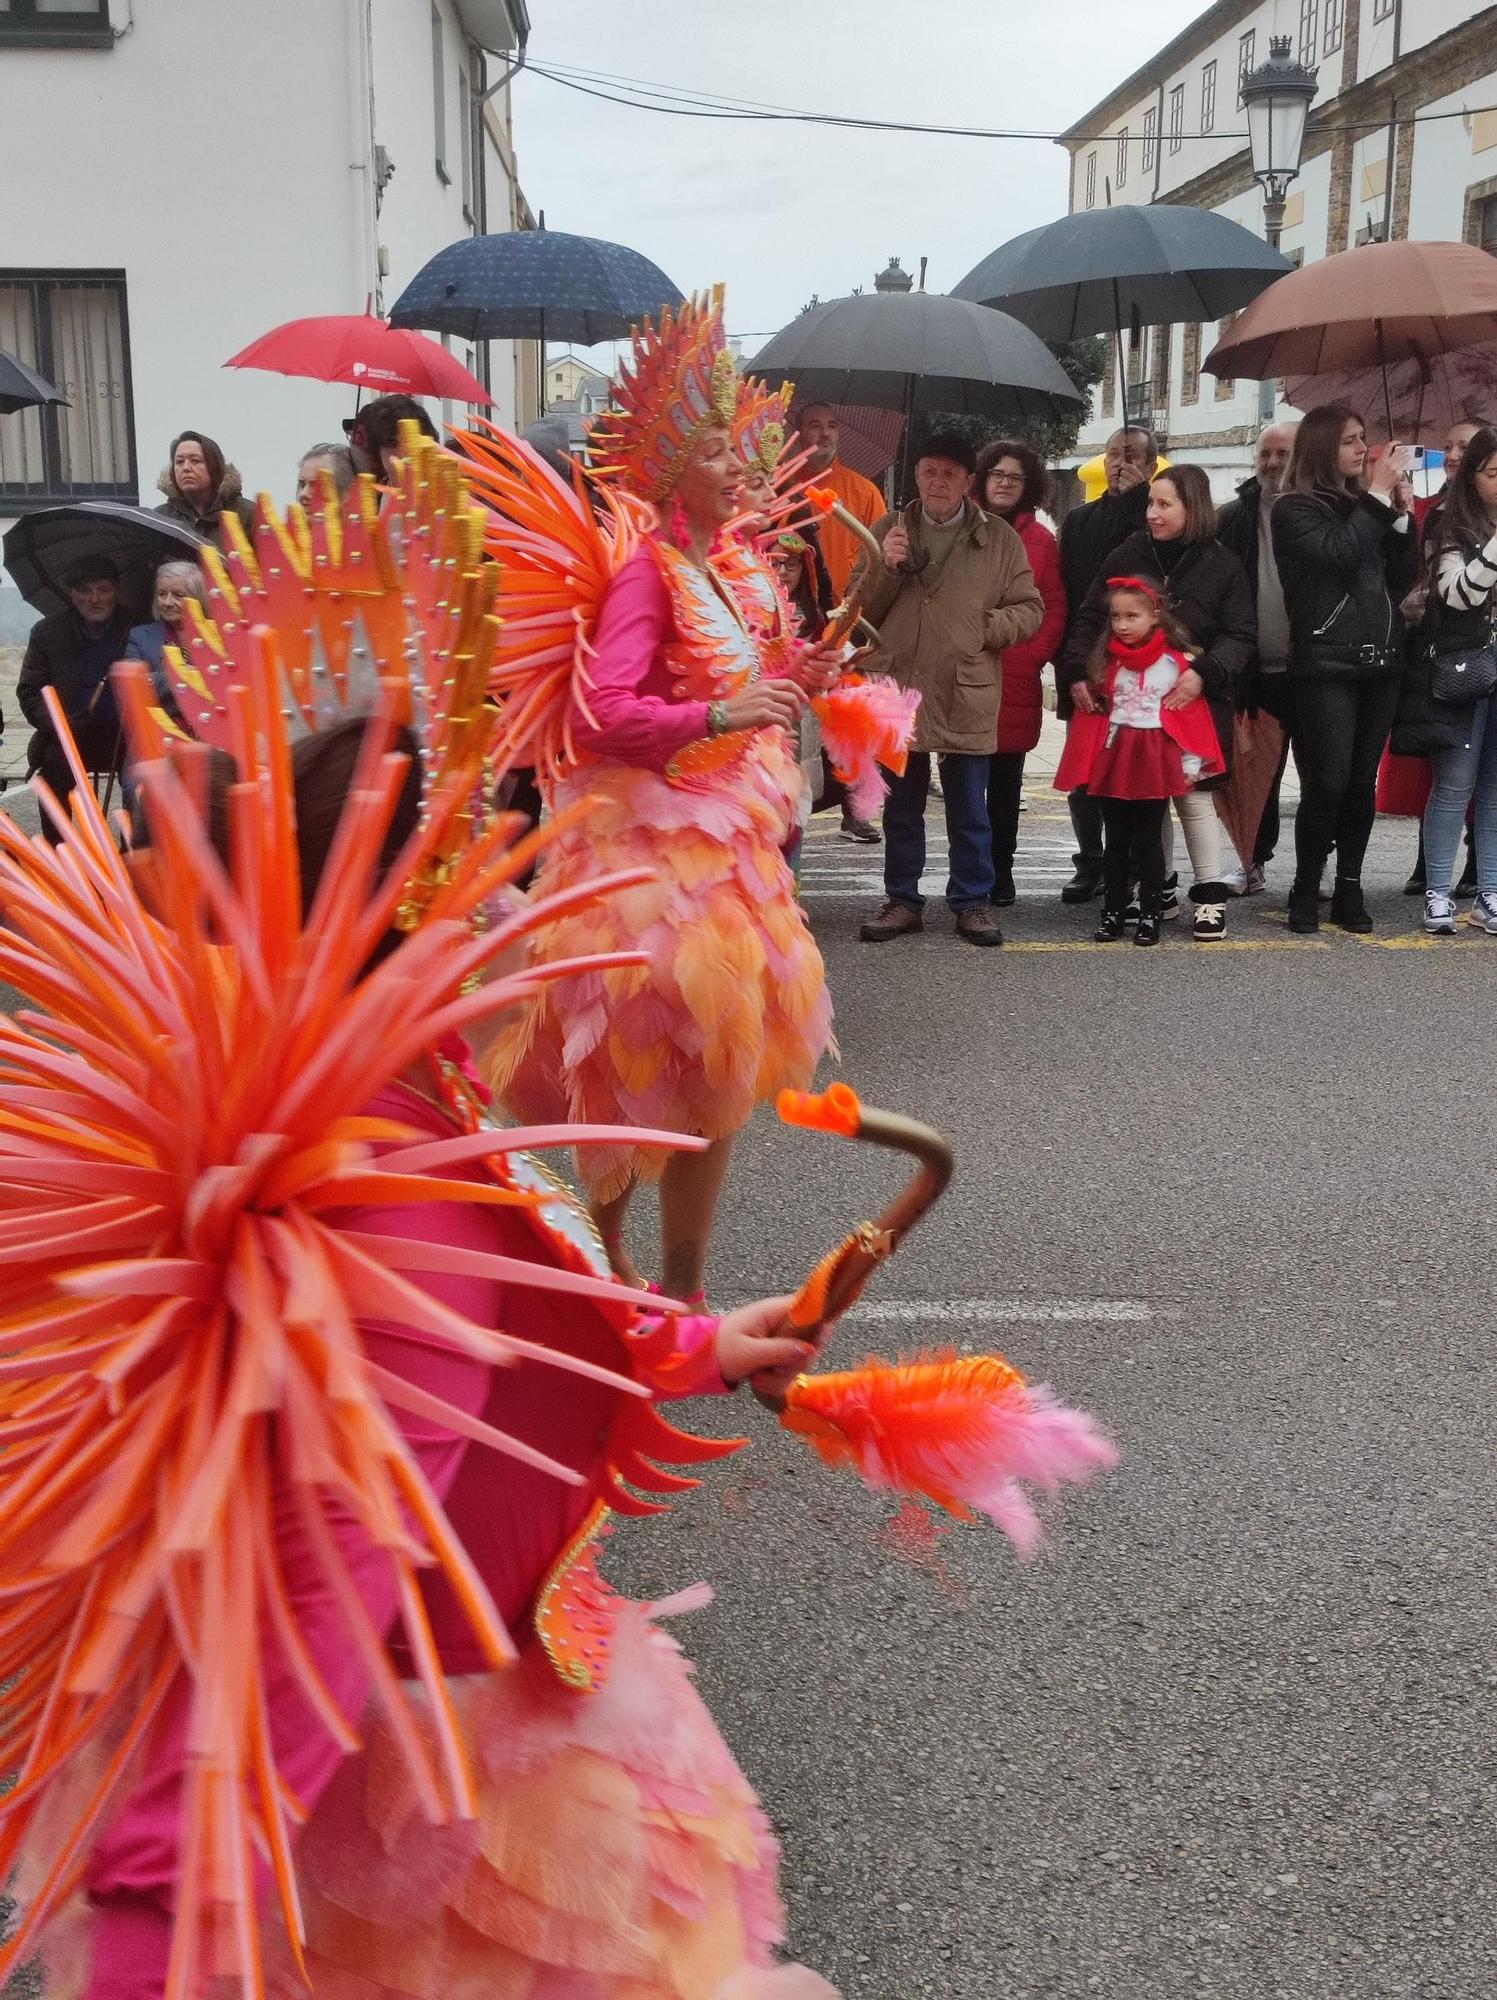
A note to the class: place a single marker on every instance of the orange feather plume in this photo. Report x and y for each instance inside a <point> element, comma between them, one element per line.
<point>965,1432</point>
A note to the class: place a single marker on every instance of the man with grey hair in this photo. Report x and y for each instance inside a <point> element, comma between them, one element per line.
<point>1242,527</point>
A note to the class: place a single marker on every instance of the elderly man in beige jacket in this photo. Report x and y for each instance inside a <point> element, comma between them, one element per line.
<point>954,589</point>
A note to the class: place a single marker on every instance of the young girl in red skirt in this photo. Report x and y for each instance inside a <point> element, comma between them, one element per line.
<point>1145,746</point>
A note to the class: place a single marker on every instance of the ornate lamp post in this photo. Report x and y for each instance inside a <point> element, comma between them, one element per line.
<point>1277,98</point>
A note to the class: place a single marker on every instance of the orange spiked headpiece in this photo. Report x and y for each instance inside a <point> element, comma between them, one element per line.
<point>683,381</point>
<point>760,424</point>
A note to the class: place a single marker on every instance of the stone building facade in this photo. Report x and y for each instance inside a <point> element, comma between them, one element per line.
<point>1402,142</point>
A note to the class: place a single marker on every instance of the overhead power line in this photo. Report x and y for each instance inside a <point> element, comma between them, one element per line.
<point>670,100</point>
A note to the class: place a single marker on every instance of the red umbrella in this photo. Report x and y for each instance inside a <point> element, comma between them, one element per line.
<point>1373,308</point>
<point>356,347</point>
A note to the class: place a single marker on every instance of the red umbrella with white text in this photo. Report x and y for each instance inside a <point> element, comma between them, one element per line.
<point>381,359</point>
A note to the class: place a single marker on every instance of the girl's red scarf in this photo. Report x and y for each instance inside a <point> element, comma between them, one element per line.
<point>1138,658</point>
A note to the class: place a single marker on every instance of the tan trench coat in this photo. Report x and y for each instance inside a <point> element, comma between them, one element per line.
<point>943,631</point>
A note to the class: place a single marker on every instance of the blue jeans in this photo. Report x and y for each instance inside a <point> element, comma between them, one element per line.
<point>1467,772</point>
<point>964,786</point>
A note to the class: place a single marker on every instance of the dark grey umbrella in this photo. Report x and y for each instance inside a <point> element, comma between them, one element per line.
<point>41,548</point>
<point>918,351</point>
<point>534,284</point>
<point>912,351</point>
<point>1105,269</point>
<point>21,388</point>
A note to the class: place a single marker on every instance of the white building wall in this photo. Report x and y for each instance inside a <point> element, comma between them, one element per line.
<point>210,161</point>
<point>1450,156</point>
<point>222,157</point>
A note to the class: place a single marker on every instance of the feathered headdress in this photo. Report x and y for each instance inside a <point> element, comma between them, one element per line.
<point>760,424</point>
<point>683,380</point>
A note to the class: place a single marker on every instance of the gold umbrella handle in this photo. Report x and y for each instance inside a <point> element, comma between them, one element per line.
<point>838,1280</point>
<point>846,615</point>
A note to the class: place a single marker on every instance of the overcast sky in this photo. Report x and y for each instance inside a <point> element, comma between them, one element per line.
<point>781,211</point>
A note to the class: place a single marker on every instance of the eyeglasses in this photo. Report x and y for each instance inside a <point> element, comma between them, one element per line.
<point>1005,479</point>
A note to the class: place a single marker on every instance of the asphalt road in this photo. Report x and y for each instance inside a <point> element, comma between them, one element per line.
<point>1231,1734</point>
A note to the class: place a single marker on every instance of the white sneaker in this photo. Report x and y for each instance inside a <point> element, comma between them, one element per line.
<point>1483,913</point>
<point>1247,881</point>
<point>1439,915</point>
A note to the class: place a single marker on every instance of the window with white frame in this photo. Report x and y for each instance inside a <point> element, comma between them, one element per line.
<point>1123,156</point>
<point>1246,48</point>
<point>1309,30</point>
<point>71,327</point>
<point>82,24</point>
<point>1335,26</point>
<point>1091,180</point>
<point>1382,10</point>
<point>1208,97</point>
<point>1151,139</point>
<point>1177,117</point>
<point>439,92</point>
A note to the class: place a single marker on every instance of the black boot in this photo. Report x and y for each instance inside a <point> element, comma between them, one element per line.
<point>1304,908</point>
<point>1111,927</point>
<point>1347,907</point>
<point>1084,884</point>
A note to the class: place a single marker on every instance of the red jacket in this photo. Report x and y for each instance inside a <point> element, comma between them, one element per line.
<point>1022,709</point>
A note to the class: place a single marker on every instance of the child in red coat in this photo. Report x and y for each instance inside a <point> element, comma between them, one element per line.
<point>1146,746</point>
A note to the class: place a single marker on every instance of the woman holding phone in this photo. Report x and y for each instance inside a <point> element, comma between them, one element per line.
<point>1346,552</point>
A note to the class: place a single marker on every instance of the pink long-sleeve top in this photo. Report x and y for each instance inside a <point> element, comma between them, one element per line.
<point>636,718</point>
<point>513,1522</point>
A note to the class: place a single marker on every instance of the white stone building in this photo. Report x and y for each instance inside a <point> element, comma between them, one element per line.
<point>182,175</point>
<point>1402,142</point>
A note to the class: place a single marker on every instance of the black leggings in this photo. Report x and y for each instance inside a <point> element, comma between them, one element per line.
<point>1005,792</point>
<point>1133,836</point>
<point>1340,730</point>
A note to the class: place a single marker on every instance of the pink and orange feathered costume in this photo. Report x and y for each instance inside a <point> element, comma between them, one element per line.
<point>731,1004</point>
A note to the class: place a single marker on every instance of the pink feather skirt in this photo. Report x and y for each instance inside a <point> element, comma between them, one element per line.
<point>731,1006</point>
<point>619,1853</point>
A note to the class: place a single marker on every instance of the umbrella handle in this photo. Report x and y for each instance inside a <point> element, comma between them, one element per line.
<point>847,614</point>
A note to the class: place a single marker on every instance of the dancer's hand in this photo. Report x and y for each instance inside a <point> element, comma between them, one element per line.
<point>775,704</point>
<point>822,667</point>
<point>756,1341</point>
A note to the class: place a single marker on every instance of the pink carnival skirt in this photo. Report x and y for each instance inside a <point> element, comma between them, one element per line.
<point>619,1853</point>
<point>1139,764</point>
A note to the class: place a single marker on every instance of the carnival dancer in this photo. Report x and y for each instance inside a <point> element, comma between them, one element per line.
<point>683,737</point>
<point>1146,745</point>
<point>263,1244</point>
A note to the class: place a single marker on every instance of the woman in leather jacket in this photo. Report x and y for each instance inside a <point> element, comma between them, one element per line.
<point>1346,555</point>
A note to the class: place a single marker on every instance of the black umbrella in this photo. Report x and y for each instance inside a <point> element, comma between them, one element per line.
<point>913,351</point>
<point>534,284</point>
<point>1106,268</point>
<point>21,388</point>
<point>41,548</point>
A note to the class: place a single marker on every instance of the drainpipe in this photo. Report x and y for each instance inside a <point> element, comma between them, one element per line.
<point>1393,125</point>
<point>361,147</point>
<point>1158,143</point>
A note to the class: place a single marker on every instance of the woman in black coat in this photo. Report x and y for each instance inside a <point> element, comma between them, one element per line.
<point>1211,594</point>
<point>1346,557</point>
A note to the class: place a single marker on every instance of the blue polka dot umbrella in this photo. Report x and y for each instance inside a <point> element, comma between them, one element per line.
<point>535,284</point>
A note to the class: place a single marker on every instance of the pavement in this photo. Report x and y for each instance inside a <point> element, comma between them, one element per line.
<point>1230,1734</point>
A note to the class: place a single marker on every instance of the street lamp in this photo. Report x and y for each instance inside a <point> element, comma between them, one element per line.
<point>1277,98</point>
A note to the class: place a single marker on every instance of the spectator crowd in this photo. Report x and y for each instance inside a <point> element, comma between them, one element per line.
<point>1323,615</point>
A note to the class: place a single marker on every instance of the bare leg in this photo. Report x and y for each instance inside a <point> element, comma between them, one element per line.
<point>608,1219</point>
<point>690,1189</point>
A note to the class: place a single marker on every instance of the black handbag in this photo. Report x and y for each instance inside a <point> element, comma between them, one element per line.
<point>1462,678</point>
<point>1459,675</point>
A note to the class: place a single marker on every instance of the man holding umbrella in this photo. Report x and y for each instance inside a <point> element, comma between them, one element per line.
<point>72,651</point>
<point>953,590</point>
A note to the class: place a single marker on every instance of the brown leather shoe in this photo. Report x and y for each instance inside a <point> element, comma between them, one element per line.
<point>978,926</point>
<point>894,920</point>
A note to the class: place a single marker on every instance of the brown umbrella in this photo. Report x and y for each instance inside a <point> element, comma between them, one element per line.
<point>1258,744</point>
<point>1377,307</point>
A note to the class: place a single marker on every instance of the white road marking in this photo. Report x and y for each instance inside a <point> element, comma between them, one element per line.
<point>879,1311</point>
